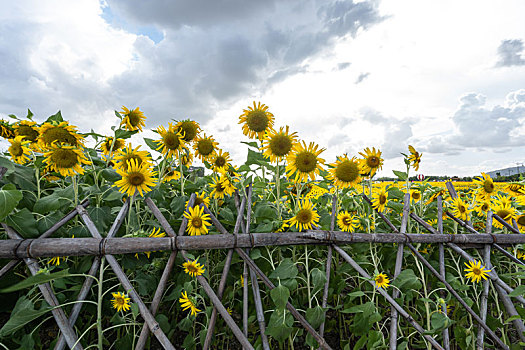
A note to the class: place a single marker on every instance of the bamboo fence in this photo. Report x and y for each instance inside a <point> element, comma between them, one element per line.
<point>103,246</point>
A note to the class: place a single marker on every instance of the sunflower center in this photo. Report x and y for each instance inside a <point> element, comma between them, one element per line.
<point>305,161</point>
<point>198,201</point>
<point>503,213</point>
<point>382,199</point>
<point>136,179</point>
<point>476,271</point>
<point>220,161</point>
<point>170,173</point>
<point>521,220</point>
<point>488,186</point>
<point>462,208</point>
<point>280,145</point>
<point>372,161</point>
<point>304,216</point>
<point>134,118</point>
<point>347,171</point>
<point>192,268</point>
<point>379,279</point>
<point>189,130</point>
<point>205,147</point>
<point>171,141</point>
<point>16,150</point>
<point>129,157</point>
<point>120,301</point>
<point>219,188</point>
<point>416,195</point>
<point>485,207</point>
<point>64,158</point>
<point>27,131</point>
<point>59,134</point>
<point>196,222</point>
<point>347,221</point>
<point>257,121</point>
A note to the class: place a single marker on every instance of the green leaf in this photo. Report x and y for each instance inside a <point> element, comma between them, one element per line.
<point>6,163</point>
<point>24,222</point>
<point>512,318</point>
<point>110,175</point>
<point>254,158</point>
<point>266,211</point>
<point>101,218</point>
<point>520,290</point>
<point>251,144</point>
<point>439,321</point>
<point>36,279</point>
<point>318,279</point>
<point>285,270</point>
<point>23,313</point>
<point>9,198</point>
<point>400,174</point>
<point>361,342</point>
<point>280,325</point>
<point>178,205</point>
<point>124,134</point>
<point>280,295</point>
<point>48,204</point>
<point>151,143</point>
<point>315,316</point>
<point>55,118</point>
<point>407,280</point>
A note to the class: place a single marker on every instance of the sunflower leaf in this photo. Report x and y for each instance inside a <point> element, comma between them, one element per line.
<point>36,279</point>
<point>400,174</point>
<point>9,198</point>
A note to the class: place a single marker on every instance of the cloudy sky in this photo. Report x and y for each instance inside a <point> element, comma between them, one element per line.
<point>445,76</point>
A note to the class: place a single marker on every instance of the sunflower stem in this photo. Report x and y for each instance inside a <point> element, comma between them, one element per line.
<point>129,214</point>
<point>278,184</point>
<point>75,188</point>
<point>181,175</point>
<point>99,304</point>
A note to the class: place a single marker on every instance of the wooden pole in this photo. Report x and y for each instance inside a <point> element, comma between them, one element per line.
<point>442,271</point>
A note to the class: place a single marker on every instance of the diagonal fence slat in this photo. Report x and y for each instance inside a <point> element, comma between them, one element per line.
<point>442,270</point>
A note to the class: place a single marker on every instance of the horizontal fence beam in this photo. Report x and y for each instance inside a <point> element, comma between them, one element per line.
<point>52,247</point>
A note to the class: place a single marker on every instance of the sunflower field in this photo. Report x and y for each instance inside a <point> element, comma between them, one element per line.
<point>53,172</point>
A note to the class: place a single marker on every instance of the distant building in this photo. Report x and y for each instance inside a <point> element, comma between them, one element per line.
<point>518,169</point>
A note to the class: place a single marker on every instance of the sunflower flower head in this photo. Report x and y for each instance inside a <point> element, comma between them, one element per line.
<point>460,209</point>
<point>128,153</point>
<point>221,187</point>
<point>188,303</point>
<point>371,162</point>
<point>171,140</point>
<point>54,261</point>
<point>345,172</point>
<point>120,301</point>
<point>379,198</point>
<point>27,129</point>
<point>193,268</point>
<point>200,198</point>
<point>133,119</point>
<point>171,174</point>
<point>137,178</point>
<point>347,221</point>
<point>220,161</point>
<point>475,271</point>
<point>305,217</point>
<point>414,157</point>
<point>505,211</point>
<point>109,146</point>
<point>18,150</point>
<point>65,159</point>
<point>256,120</point>
<point>381,280</point>
<point>205,147</point>
<point>154,234</point>
<point>278,144</point>
<point>198,222</point>
<point>304,162</point>
<point>6,131</point>
<point>189,129</point>
<point>415,195</point>
<point>520,220</point>
<point>63,133</point>
<point>486,186</point>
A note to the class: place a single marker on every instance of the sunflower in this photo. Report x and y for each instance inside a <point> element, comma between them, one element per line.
<point>433,196</point>
<point>520,220</point>
<point>305,217</point>
<point>193,268</point>
<point>520,254</point>
<point>304,162</point>
<point>372,161</point>
<point>504,200</point>
<point>347,222</point>
<point>54,261</point>
<point>482,208</point>
<point>109,147</point>
<point>475,271</point>
<point>278,144</point>
<point>197,221</point>
<point>18,150</point>
<point>171,174</point>
<point>345,172</point>
<point>171,141</point>
<point>65,159</point>
<point>382,281</point>
<point>486,184</point>
<point>414,157</point>
<point>220,161</point>
<point>189,129</point>
<point>379,198</point>
<point>460,209</point>
<point>222,186</point>
<point>188,303</point>
<point>257,121</point>
<point>415,195</point>
<point>60,133</point>
<point>504,211</point>
<point>6,131</point>
<point>133,119</point>
<point>205,147</point>
<point>135,178</point>
<point>26,129</point>
<point>186,157</point>
<point>128,153</point>
<point>154,234</point>
<point>200,198</point>
<point>516,189</point>
<point>120,301</point>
